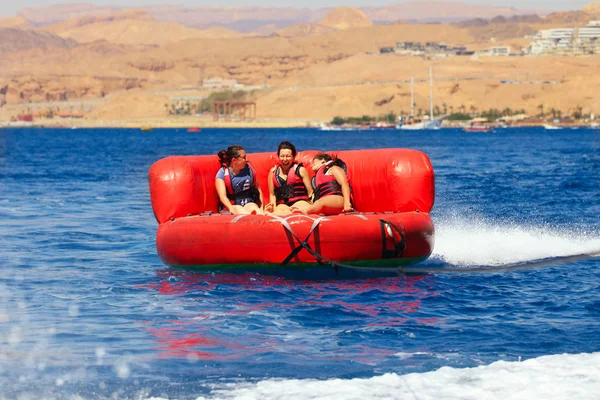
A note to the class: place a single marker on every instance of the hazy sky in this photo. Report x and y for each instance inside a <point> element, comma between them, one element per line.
<point>8,8</point>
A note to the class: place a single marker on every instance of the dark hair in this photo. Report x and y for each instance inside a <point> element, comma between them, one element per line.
<point>225,156</point>
<point>287,145</point>
<point>323,156</point>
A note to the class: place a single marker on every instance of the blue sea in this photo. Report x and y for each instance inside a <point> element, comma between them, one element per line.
<point>88,310</point>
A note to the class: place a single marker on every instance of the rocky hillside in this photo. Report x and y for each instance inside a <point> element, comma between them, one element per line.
<point>345,18</point>
<point>14,22</point>
<point>15,40</point>
<point>134,27</point>
<point>317,72</point>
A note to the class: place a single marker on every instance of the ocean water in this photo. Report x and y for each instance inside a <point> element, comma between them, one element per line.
<point>88,311</point>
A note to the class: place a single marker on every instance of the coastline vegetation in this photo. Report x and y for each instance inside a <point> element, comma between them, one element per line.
<point>462,115</point>
<point>187,107</point>
<point>364,120</point>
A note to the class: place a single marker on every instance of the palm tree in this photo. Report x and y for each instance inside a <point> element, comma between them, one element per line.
<point>541,107</point>
<point>473,110</point>
<point>463,109</point>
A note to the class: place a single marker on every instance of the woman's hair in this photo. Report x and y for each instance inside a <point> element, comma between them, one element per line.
<point>323,156</point>
<point>225,156</point>
<point>287,145</point>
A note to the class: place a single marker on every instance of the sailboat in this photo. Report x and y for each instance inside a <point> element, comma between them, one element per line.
<point>411,123</point>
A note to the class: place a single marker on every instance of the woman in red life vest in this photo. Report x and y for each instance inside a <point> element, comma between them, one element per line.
<point>289,182</point>
<point>331,184</point>
<point>236,183</point>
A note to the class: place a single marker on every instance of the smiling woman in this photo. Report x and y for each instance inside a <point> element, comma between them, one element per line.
<point>289,183</point>
<point>236,183</point>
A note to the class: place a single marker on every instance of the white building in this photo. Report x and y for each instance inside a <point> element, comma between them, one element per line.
<point>567,41</point>
<point>219,83</point>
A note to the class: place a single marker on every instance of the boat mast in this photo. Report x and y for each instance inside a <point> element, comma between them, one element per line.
<point>412,96</point>
<point>430,94</point>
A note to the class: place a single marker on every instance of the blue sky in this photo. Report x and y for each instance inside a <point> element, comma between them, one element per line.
<point>9,8</point>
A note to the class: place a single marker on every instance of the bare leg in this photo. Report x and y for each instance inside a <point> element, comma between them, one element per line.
<point>282,209</point>
<point>239,210</point>
<point>301,206</point>
<point>253,208</point>
<point>328,205</point>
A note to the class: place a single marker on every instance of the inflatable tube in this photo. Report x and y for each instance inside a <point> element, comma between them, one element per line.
<point>393,194</point>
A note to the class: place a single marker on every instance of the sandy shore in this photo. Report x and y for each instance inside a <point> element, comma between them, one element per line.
<point>187,122</point>
<point>179,122</point>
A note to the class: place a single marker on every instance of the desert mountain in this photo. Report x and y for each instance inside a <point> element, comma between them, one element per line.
<point>56,13</point>
<point>246,19</point>
<point>16,40</point>
<point>575,18</point>
<point>304,29</point>
<point>439,11</point>
<point>14,22</point>
<point>592,9</point>
<point>338,19</point>
<point>337,72</point>
<point>75,23</point>
<point>131,27</point>
<point>346,17</point>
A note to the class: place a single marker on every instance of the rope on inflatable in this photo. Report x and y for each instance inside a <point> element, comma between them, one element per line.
<point>303,244</point>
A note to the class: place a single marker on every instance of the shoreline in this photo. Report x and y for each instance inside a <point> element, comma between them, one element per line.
<point>157,123</point>
<point>208,122</point>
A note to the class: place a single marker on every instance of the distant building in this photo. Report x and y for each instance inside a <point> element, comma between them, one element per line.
<point>567,41</point>
<point>429,49</point>
<point>499,51</point>
<point>219,83</point>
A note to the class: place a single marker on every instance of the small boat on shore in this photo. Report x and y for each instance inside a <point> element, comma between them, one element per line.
<point>478,128</point>
<point>393,191</point>
<point>551,127</point>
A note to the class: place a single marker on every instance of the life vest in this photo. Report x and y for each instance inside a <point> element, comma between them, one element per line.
<point>248,193</point>
<point>327,185</point>
<point>293,190</point>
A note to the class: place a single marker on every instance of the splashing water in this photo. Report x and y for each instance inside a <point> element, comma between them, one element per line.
<point>477,242</point>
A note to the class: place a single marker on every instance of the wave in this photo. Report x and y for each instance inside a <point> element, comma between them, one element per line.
<point>548,377</point>
<point>476,242</point>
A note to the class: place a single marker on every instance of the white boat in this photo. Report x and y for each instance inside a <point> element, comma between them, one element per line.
<point>412,123</point>
<point>548,126</point>
<point>327,127</point>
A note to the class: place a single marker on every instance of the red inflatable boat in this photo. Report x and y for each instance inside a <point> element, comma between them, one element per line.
<point>393,194</point>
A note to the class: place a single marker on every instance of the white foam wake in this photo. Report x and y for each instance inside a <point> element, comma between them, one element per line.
<point>574,376</point>
<point>477,242</point>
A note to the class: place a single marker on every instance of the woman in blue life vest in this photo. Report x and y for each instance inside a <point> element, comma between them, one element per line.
<point>236,183</point>
<point>289,182</point>
<point>331,184</point>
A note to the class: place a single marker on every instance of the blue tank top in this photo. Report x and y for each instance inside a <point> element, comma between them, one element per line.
<point>239,182</point>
